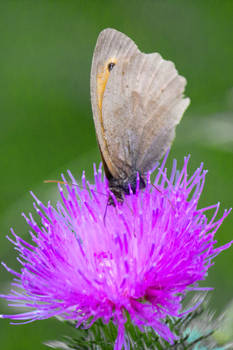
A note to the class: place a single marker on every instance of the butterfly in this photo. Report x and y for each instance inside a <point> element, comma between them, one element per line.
<point>137,101</point>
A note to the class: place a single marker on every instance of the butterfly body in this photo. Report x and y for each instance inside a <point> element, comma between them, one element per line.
<point>122,187</point>
<point>137,101</point>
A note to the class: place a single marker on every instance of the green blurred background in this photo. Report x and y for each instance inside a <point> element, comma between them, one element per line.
<point>46,120</point>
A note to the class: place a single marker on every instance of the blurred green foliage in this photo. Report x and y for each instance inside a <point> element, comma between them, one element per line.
<point>46,49</point>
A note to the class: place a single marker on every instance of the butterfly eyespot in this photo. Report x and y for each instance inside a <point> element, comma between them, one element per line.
<point>110,66</point>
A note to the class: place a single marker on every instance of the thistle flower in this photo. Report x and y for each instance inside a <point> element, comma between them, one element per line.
<point>139,262</point>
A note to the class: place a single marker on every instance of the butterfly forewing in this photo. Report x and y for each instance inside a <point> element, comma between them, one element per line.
<point>111,47</point>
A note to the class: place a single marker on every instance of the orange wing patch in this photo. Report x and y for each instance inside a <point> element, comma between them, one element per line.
<point>102,79</point>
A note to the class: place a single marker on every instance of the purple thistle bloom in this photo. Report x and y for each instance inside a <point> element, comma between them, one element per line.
<point>140,261</point>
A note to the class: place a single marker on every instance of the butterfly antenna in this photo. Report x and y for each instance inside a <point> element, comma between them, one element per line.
<point>58,182</point>
<point>105,214</point>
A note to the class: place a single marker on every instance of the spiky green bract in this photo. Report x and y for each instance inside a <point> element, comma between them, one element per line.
<point>194,331</point>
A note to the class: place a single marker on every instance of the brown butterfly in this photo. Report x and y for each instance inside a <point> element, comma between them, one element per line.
<point>137,101</point>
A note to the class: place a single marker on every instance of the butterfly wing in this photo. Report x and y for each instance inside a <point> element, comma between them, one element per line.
<point>137,107</point>
<point>142,104</point>
<point>111,47</point>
